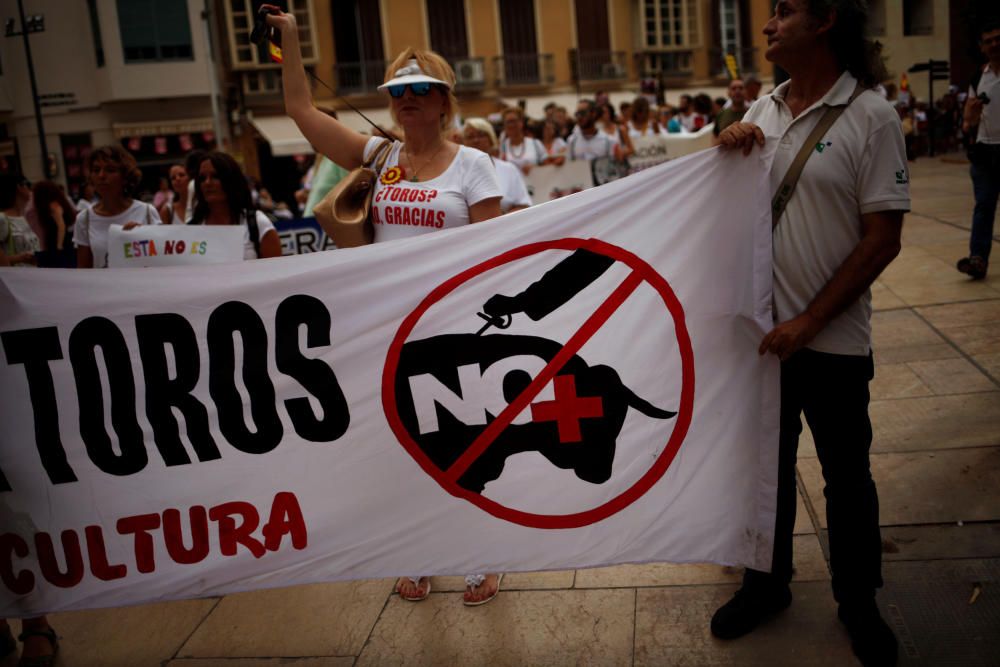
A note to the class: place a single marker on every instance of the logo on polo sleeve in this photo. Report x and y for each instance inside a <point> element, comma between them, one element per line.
<point>901,178</point>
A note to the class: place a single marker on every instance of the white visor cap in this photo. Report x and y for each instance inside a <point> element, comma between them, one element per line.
<point>411,73</point>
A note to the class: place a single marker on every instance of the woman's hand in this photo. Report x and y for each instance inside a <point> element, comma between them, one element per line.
<point>741,135</point>
<point>285,23</point>
<point>130,225</point>
<point>526,169</point>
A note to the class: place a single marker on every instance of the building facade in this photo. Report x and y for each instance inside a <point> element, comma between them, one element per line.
<point>107,71</point>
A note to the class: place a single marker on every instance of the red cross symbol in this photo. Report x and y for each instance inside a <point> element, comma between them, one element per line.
<point>567,409</point>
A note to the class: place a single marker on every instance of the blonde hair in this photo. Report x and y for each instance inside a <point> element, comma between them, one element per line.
<point>482,125</point>
<point>432,65</point>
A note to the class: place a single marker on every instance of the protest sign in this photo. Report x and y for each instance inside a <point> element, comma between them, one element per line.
<point>174,245</point>
<point>184,432</point>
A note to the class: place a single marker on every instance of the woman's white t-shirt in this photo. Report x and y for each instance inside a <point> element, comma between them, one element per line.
<point>91,229</point>
<point>404,209</point>
<point>558,147</point>
<point>513,191</point>
<point>529,152</point>
<point>634,133</point>
<point>264,225</point>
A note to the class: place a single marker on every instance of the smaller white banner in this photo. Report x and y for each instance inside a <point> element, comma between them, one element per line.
<point>649,152</point>
<point>174,245</point>
<point>552,182</point>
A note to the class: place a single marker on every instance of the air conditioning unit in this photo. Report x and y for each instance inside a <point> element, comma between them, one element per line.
<point>470,72</point>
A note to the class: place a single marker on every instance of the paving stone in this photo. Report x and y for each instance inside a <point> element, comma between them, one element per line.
<point>672,628</point>
<point>263,662</point>
<point>575,627</point>
<point>899,336</point>
<point>970,540</point>
<point>952,376</point>
<point>315,620</point>
<point>884,299</point>
<point>962,314</point>
<point>803,521</point>
<point>810,565</point>
<point>143,635</point>
<point>512,581</point>
<point>937,422</point>
<point>925,487</point>
<point>897,381</point>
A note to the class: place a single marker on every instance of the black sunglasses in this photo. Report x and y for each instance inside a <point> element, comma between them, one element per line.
<point>419,89</point>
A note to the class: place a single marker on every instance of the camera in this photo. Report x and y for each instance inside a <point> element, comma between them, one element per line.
<point>261,30</point>
<point>984,98</point>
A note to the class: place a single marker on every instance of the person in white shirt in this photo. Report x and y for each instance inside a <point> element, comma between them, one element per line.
<point>642,123</point>
<point>427,183</point>
<point>555,146</point>
<point>981,116</point>
<point>587,142</point>
<point>479,134</point>
<point>840,228</point>
<point>523,151</point>
<point>115,177</point>
<point>223,198</point>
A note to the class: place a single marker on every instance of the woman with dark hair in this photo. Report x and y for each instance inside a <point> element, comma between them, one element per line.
<point>608,124</point>
<point>115,176</point>
<point>55,214</point>
<point>222,197</point>
<point>17,238</point>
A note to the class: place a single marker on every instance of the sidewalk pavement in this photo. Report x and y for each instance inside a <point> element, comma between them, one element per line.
<point>935,457</point>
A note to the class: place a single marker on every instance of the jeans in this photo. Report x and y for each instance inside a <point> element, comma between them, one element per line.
<point>832,391</point>
<point>986,189</point>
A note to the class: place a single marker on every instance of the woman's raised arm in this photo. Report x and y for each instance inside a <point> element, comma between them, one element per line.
<point>327,135</point>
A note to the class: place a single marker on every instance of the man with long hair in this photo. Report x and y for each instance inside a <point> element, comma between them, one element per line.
<point>839,229</point>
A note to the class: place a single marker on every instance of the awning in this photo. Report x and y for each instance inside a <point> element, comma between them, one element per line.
<point>283,136</point>
<point>159,128</point>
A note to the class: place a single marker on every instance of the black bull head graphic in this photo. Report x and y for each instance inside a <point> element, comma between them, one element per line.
<point>578,430</point>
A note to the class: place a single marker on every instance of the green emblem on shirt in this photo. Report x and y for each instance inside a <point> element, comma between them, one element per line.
<point>821,146</point>
<point>901,178</point>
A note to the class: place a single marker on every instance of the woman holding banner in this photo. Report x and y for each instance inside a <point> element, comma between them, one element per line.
<point>554,145</point>
<point>115,177</point>
<point>421,99</point>
<point>222,197</point>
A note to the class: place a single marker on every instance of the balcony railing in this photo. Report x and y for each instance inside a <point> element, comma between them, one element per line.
<point>359,78</point>
<point>745,61</point>
<point>524,69</point>
<point>598,65</point>
<point>664,65</point>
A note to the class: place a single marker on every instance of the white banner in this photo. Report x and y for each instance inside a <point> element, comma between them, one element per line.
<point>174,245</point>
<point>186,432</point>
<point>554,182</point>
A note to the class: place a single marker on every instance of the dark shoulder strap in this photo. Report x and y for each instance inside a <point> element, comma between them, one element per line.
<point>791,178</point>
<point>254,231</point>
<point>976,78</point>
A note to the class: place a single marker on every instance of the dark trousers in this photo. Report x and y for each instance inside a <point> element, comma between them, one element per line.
<point>986,189</point>
<point>832,391</point>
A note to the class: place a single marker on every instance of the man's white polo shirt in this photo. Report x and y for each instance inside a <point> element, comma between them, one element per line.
<point>989,123</point>
<point>859,167</point>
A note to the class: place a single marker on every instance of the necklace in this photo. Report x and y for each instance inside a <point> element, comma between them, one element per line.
<point>514,153</point>
<point>416,171</point>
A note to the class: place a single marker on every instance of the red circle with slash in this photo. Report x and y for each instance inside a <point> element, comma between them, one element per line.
<point>448,479</point>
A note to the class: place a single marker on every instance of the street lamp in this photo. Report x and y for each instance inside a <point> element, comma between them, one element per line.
<point>30,24</point>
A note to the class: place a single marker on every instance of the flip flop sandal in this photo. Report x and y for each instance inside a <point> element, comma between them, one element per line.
<point>42,660</point>
<point>482,602</point>
<point>417,598</point>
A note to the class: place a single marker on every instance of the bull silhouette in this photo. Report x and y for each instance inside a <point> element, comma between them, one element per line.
<point>590,457</point>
